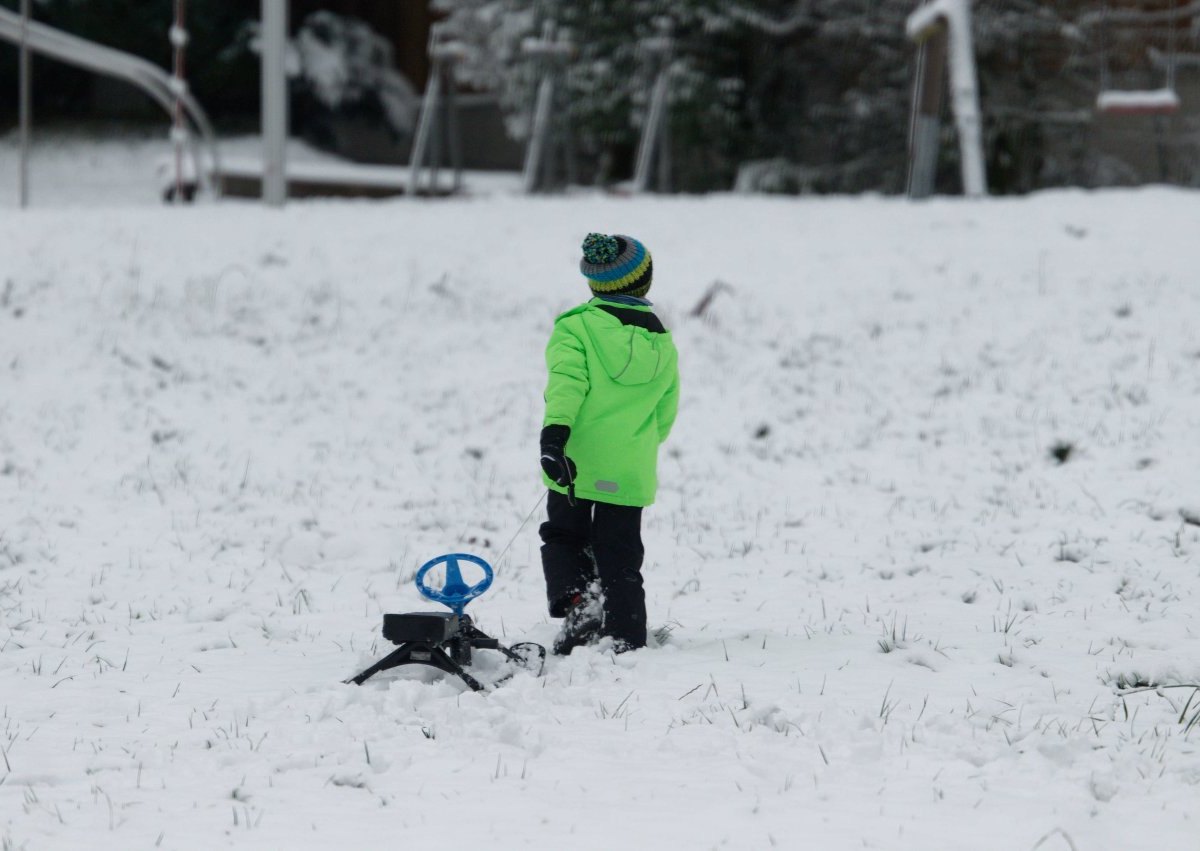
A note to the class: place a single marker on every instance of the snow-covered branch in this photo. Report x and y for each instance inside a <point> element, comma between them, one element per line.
<point>800,18</point>
<point>1139,16</point>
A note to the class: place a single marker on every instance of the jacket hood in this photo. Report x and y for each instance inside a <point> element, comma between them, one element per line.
<point>630,355</point>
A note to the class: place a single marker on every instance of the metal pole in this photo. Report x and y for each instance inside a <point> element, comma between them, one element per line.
<point>568,143</point>
<point>664,153</point>
<point>453,131</point>
<point>928,93</point>
<point>274,102</point>
<point>437,129</point>
<point>650,132</point>
<point>179,39</point>
<point>26,106</point>
<point>420,145</point>
<point>537,135</point>
<point>964,80</point>
<point>540,148</point>
<point>1171,53</point>
<point>955,15</point>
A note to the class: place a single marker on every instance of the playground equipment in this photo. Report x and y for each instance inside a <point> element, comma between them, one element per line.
<point>274,102</point>
<point>942,28</point>
<point>550,135</point>
<point>444,640</point>
<point>183,190</point>
<point>440,120</point>
<point>655,143</point>
<point>1123,101</point>
<point>31,36</point>
<point>25,96</point>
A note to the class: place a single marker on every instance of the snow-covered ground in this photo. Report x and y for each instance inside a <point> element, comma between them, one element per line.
<point>228,436</point>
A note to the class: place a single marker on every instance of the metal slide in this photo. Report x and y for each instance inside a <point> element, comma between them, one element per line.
<point>99,59</point>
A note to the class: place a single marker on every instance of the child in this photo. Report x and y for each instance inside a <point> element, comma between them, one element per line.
<point>611,399</point>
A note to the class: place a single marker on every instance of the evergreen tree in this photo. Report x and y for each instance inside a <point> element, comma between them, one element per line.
<point>796,95</point>
<point>818,89</point>
<point>609,77</point>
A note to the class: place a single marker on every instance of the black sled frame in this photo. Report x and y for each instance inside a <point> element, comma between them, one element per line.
<point>444,640</point>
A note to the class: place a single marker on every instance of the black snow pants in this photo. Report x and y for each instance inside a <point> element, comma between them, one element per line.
<point>596,542</point>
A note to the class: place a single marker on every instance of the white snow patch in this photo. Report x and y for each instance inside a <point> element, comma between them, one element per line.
<point>229,436</point>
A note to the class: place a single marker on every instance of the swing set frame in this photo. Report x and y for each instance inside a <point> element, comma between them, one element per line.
<point>1117,101</point>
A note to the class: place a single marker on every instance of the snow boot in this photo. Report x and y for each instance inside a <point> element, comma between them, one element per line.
<point>582,624</point>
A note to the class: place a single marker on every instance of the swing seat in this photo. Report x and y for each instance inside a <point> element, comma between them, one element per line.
<point>1132,102</point>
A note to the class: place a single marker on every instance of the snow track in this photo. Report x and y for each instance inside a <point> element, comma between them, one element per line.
<point>229,436</point>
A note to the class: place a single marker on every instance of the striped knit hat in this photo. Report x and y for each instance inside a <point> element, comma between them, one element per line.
<point>616,265</point>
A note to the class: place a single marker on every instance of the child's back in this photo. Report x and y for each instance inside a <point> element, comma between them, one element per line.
<point>614,381</point>
<point>611,399</point>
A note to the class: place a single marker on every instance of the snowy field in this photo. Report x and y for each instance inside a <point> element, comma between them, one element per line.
<point>228,436</point>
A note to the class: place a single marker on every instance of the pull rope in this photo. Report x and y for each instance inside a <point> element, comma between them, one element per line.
<point>513,540</point>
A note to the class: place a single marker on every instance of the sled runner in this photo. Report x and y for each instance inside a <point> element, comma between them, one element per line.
<point>444,640</point>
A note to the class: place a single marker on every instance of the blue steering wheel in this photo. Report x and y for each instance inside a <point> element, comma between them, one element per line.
<point>455,593</point>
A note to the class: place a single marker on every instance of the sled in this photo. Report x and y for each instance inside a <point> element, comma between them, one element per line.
<point>446,640</point>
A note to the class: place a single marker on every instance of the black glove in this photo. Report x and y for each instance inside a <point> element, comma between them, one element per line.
<point>555,464</point>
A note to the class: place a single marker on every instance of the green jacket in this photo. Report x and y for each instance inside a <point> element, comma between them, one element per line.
<point>614,380</point>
